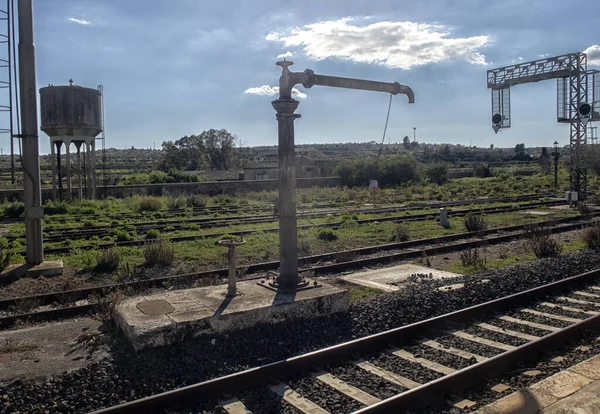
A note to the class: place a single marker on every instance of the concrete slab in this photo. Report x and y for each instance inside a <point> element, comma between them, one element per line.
<point>575,390</point>
<point>390,278</point>
<point>174,316</point>
<point>48,268</point>
<point>537,213</point>
<point>43,351</point>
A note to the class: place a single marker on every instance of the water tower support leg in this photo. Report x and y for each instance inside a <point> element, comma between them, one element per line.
<point>93,169</point>
<point>53,163</point>
<point>68,160</point>
<point>79,171</point>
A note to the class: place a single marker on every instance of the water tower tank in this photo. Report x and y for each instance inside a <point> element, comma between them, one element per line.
<point>71,111</point>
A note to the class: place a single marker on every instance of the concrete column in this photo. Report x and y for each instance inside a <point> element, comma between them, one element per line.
<point>68,162</point>
<point>79,171</point>
<point>444,217</point>
<point>288,233</point>
<point>32,190</point>
<point>53,164</point>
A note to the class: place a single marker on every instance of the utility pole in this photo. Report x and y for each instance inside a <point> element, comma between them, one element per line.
<point>415,134</point>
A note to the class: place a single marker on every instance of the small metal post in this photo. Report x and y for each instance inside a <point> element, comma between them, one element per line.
<point>231,277</point>
<point>444,217</point>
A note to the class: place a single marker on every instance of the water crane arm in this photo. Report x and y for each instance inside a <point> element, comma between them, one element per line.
<point>308,78</point>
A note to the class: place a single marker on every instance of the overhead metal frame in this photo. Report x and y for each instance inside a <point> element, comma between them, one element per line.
<point>575,86</point>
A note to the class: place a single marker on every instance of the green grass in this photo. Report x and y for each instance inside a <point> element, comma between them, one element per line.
<point>361,292</point>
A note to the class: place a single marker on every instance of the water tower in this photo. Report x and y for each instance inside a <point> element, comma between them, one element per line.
<point>72,115</point>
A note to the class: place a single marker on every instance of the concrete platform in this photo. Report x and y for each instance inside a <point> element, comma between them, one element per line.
<point>389,278</point>
<point>575,390</point>
<point>167,318</point>
<point>47,268</point>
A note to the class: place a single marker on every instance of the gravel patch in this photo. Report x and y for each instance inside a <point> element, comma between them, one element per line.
<point>441,357</point>
<point>324,396</point>
<point>404,368</point>
<point>470,346</point>
<point>369,383</point>
<point>530,330</point>
<point>538,319</point>
<point>265,401</point>
<point>560,311</point>
<point>495,336</point>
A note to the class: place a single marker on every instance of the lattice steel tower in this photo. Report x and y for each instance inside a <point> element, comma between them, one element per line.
<point>578,94</point>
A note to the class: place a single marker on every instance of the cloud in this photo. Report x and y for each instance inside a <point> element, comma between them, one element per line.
<point>267,90</point>
<point>79,21</point>
<point>593,55</point>
<point>285,55</point>
<point>392,44</point>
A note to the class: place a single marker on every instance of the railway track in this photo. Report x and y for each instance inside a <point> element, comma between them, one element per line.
<point>212,222</point>
<point>335,262</point>
<point>333,225</point>
<point>402,369</point>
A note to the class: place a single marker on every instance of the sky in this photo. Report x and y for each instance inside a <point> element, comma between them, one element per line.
<point>178,67</point>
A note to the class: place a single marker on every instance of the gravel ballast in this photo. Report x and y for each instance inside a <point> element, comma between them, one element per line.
<point>127,375</point>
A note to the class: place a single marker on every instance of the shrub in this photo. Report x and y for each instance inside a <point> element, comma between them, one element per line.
<point>150,204</point>
<point>197,200</point>
<point>153,234</point>
<point>470,258</point>
<point>475,222</point>
<point>591,237</point>
<point>159,253</point>
<point>400,233</point>
<point>15,209</point>
<point>583,209</point>
<point>437,173</point>
<point>541,243</point>
<point>56,207</point>
<point>108,260</point>
<point>121,235</point>
<point>327,235</point>
<point>304,247</point>
<point>176,202</point>
<point>193,227</point>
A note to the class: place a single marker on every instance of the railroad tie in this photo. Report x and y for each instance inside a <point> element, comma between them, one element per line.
<point>345,388</point>
<point>528,323</point>
<point>578,301</point>
<point>595,287</point>
<point>453,351</point>
<point>299,402</point>
<point>434,366</point>
<point>567,308</point>
<point>483,341</point>
<point>586,294</point>
<point>509,332</point>
<point>387,375</point>
<point>234,406</point>
<point>551,316</point>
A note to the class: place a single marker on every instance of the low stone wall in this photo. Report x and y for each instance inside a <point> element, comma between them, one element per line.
<point>176,189</point>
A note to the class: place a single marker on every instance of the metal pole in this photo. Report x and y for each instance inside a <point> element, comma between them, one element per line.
<point>231,287</point>
<point>32,192</point>
<point>288,233</point>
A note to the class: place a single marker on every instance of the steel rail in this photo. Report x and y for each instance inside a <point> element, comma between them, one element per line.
<point>337,225</point>
<point>78,310</point>
<point>211,222</point>
<point>427,393</point>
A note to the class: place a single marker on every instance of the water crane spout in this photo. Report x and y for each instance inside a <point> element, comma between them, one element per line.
<point>308,79</point>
